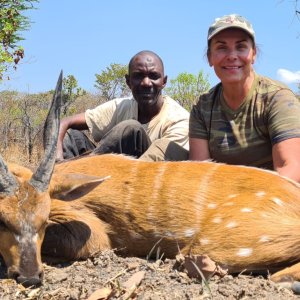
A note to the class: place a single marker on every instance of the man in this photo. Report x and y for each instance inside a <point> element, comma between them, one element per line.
<point>139,125</point>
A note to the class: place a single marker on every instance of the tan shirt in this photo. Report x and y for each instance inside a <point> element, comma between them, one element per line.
<point>171,122</point>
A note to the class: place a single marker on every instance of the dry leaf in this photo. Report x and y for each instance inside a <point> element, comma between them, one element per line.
<point>33,293</point>
<point>134,280</point>
<point>101,294</point>
<point>194,263</point>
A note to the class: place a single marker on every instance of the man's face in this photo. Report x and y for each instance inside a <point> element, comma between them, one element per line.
<point>146,79</point>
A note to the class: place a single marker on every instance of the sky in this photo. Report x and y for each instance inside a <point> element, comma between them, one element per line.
<point>83,38</point>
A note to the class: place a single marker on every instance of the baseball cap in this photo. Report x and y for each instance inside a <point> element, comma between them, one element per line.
<point>230,21</point>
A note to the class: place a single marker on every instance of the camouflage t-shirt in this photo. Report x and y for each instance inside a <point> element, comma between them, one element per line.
<point>269,114</point>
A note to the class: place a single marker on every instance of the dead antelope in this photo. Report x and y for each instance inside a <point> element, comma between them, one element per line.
<point>25,206</point>
<point>243,218</point>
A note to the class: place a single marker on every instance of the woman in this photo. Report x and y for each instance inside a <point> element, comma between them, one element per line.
<point>246,119</point>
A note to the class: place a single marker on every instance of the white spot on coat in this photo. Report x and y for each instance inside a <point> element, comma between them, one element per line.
<point>231,224</point>
<point>189,232</point>
<point>246,209</point>
<point>212,205</point>
<point>277,201</point>
<point>232,196</point>
<point>204,241</point>
<point>264,239</point>
<point>244,252</point>
<point>217,220</point>
<point>260,194</point>
<point>264,215</point>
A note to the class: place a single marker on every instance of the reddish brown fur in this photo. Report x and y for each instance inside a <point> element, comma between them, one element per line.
<point>190,205</point>
<point>242,218</point>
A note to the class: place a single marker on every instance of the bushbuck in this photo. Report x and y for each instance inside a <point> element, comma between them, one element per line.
<point>243,218</point>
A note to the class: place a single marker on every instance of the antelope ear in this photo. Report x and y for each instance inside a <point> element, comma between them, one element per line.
<point>70,187</point>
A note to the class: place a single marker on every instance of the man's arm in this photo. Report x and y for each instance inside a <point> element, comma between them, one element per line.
<point>74,122</point>
<point>199,149</point>
<point>286,158</point>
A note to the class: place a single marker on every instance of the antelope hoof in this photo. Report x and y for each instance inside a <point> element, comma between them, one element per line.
<point>293,286</point>
<point>296,287</point>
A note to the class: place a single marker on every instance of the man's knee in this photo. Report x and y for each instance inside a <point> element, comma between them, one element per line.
<point>165,149</point>
<point>128,137</point>
<point>76,143</point>
<point>127,127</point>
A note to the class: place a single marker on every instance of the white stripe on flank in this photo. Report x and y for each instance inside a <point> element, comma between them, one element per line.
<point>159,179</point>
<point>203,194</point>
<point>157,184</point>
<point>130,188</point>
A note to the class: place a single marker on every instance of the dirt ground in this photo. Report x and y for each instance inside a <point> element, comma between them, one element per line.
<point>108,276</point>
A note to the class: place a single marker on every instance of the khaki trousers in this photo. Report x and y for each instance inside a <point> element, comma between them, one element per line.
<point>165,150</point>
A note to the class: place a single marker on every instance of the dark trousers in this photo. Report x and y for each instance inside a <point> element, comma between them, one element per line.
<point>127,137</point>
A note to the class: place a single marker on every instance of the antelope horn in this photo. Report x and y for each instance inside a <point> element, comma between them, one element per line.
<point>41,178</point>
<point>8,183</point>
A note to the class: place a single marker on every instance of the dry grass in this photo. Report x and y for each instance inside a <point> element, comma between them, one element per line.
<point>16,154</point>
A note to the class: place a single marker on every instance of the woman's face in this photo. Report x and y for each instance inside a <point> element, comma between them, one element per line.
<point>232,54</point>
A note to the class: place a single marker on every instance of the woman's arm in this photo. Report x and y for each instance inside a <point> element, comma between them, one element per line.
<point>286,158</point>
<point>198,149</point>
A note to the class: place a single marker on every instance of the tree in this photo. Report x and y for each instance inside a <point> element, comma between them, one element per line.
<point>9,114</point>
<point>186,88</point>
<point>70,92</point>
<point>111,82</point>
<point>21,121</point>
<point>12,21</point>
<point>33,111</point>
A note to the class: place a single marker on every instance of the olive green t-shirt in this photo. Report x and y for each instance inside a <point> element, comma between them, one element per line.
<point>269,114</point>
